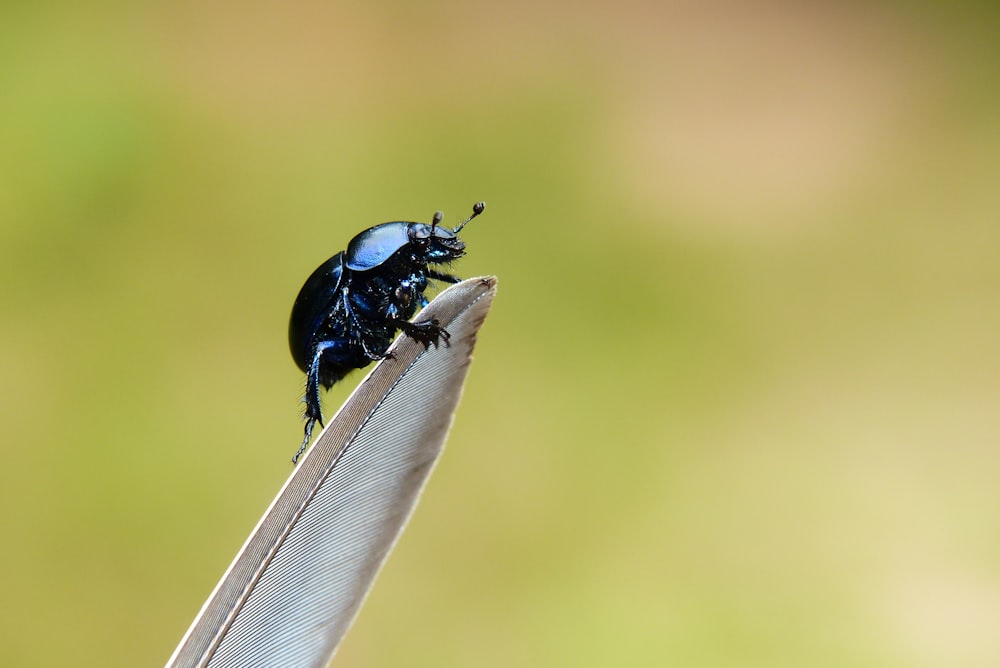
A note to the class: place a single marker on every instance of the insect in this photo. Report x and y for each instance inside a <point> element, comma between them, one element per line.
<point>348,311</point>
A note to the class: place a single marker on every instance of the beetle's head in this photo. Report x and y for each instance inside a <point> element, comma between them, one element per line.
<point>437,243</point>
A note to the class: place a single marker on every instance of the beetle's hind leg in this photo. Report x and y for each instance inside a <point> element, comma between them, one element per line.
<point>314,409</point>
<point>310,423</point>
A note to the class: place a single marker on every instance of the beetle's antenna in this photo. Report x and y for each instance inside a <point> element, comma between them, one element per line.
<point>436,220</point>
<point>477,209</point>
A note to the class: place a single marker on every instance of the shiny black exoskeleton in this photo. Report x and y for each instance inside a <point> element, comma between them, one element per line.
<point>349,310</point>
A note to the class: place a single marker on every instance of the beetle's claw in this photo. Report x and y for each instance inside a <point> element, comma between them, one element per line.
<point>310,423</point>
<point>428,332</point>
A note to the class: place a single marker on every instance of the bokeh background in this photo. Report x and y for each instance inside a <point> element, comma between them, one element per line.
<point>737,400</point>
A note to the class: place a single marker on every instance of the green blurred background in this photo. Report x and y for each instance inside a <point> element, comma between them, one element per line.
<point>735,405</point>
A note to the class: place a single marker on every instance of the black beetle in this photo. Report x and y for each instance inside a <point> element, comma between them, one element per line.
<point>350,308</point>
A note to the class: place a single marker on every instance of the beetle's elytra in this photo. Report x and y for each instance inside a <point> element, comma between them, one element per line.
<point>350,308</point>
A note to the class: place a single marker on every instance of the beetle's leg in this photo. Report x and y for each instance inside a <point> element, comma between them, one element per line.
<point>314,409</point>
<point>345,301</point>
<point>357,328</point>
<point>441,276</point>
<point>359,331</point>
<point>371,354</point>
<point>305,440</point>
<point>426,332</point>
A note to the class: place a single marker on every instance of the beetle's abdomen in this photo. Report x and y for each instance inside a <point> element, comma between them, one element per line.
<point>312,307</point>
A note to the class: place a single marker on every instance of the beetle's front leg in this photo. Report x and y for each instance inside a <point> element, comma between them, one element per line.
<point>426,332</point>
<point>441,276</point>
